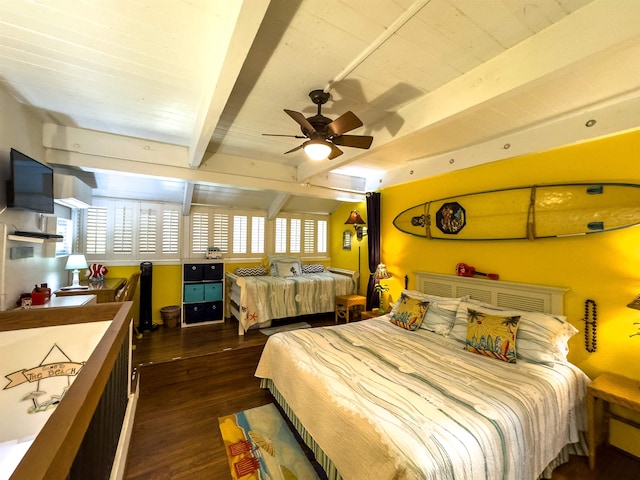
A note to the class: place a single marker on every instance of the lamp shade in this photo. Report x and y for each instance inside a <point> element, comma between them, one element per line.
<point>381,272</point>
<point>76,262</point>
<point>354,219</point>
<point>635,303</point>
<point>317,149</point>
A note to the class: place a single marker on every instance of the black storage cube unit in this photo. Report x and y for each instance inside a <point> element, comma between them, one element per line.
<point>216,310</point>
<point>195,313</point>
<point>202,292</point>
<point>213,271</point>
<point>193,272</point>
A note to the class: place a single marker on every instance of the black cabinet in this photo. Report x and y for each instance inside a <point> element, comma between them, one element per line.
<point>202,293</point>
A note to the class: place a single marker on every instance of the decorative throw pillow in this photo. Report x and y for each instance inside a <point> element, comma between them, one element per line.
<point>409,312</point>
<point>313,268</point>
<point>542,337</point>
<point>251,271</point>
<point>441,313</point>
<point>281,268</point>
<point>492,336</point>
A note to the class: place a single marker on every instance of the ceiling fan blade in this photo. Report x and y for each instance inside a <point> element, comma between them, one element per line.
<point>357,141</point>
<point>279,135</point>
<point>335,152</point>
<point>302,121</point>
<point>344,123</point>
<point>294,149</point>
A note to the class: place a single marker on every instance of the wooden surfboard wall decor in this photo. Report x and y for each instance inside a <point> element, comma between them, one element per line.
<point>537,211</point>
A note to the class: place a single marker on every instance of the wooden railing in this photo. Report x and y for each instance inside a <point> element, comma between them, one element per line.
<point>80,438</point>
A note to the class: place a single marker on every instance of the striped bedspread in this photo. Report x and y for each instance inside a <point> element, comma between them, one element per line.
<point>267,298</point>
<point>386,403</point>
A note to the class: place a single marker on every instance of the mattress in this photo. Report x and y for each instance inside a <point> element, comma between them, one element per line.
<point>386,403</point>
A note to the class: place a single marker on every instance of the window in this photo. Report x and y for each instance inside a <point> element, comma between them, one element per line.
<point>294,235</point>
<point>240,234</point>
<point>64,227</point>
<point>95,225</point>
<point>257,234</point>
<point>237,234</point>
<point>281,235</point>
<point>248,234</point>
<point>306,236</point>
<point>130,231</point>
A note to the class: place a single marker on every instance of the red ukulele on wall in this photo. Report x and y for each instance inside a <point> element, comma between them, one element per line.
<point>464,270</point>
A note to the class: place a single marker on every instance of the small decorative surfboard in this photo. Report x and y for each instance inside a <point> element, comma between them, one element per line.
<point>538,211</point>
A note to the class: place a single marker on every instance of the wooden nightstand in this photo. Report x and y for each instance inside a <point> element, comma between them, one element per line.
<point>610,389</point>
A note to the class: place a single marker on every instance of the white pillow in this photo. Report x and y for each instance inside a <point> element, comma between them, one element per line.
<point>281,268</point>
<point>441,313</point>
<point>541,337</point>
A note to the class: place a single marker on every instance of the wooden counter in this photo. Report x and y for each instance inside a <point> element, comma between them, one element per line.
<point>105,292</point>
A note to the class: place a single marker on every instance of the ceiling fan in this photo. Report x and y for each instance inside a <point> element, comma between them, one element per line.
<point>324,134</point>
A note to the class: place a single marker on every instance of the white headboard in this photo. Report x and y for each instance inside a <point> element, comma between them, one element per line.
<point>519,296</point>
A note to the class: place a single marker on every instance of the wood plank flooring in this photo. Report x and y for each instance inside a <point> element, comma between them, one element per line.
<point>188,377</point>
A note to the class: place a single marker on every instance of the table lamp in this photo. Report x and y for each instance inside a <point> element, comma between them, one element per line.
<point>75,263</point>
<point>381,273</point>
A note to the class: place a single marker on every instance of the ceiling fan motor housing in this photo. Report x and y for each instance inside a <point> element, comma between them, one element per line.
<point>319,123</point>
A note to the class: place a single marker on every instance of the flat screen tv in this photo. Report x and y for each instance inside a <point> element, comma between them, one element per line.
<point>31,184</point>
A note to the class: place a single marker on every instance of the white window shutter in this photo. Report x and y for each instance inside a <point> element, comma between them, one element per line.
<point>96,231</point>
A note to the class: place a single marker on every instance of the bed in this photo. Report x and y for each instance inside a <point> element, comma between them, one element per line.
<point>377,400</point>
<point>255,298</point>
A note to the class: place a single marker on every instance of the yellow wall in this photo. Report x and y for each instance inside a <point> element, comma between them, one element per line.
<point>349,258</point>
<point>604,267</point>
<point>166,288</point>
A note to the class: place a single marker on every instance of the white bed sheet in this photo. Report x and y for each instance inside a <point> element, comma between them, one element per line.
<point>386,403</point>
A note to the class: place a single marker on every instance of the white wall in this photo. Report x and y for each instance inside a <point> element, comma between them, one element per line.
<point>22,130</point>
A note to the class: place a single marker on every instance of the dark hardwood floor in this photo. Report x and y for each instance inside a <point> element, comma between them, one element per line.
<point>188,377</point>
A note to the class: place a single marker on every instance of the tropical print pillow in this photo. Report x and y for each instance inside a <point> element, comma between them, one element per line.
<point>409,312</point>
<point>492,336</point>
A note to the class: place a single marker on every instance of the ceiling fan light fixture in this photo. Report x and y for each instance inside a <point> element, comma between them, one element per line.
<point>317,149</point>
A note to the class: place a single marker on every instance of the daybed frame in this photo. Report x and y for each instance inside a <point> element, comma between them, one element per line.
<point>236,292</point>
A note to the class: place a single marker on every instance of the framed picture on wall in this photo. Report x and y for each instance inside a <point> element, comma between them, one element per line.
<point>346,240</point>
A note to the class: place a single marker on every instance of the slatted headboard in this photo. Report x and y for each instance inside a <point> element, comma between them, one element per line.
<point>519,296</point>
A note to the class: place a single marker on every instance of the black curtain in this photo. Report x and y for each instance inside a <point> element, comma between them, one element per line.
<point>373,239</point>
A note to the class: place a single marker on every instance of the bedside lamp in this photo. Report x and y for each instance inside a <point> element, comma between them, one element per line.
<point>635,303</point>
<point>75,263</point>
<point>356,220</point>
<point>381,273</point>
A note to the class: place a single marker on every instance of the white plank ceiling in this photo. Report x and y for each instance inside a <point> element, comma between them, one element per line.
<point>169,100</point>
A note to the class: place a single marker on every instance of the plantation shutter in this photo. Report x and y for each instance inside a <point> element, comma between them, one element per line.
<point>321,245</point>
<point>170,232</point>
<point>221,232</point>
<point>96,231</point>
<point>294,235</point>
<point>281,235</point>
<point>199,232</point>
<point>309,236</point>
<point>240,232</point>
<point>148,231</point>
<point>257,235</point>
<point>123,230</point>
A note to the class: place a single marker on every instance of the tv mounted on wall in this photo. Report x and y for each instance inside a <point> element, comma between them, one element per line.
<point>31,184</point>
